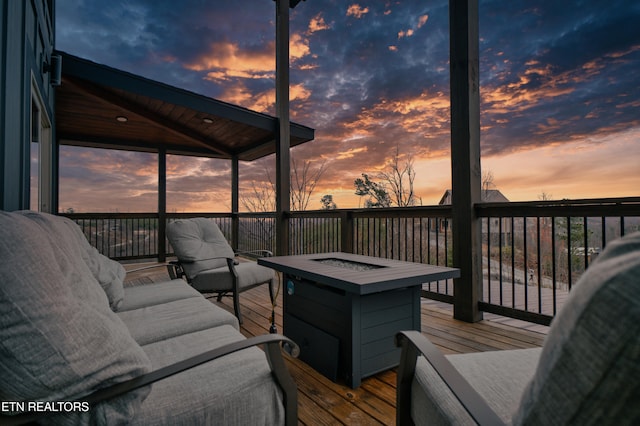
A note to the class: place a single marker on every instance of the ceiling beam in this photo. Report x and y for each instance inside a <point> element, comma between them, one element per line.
<point>181,131</point>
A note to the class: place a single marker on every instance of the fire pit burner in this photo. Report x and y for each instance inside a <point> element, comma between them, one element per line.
<point>349,264</point>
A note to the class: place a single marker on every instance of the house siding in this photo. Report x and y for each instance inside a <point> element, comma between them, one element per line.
<point>26,42</point>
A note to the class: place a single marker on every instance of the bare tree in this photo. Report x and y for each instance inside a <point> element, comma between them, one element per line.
<point>400,178</point>
<point>262,197</point>
<point>544,196</point>
<point>303,182</point>
<point>487,184</point>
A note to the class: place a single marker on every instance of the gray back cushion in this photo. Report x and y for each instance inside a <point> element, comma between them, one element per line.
<point>589,370</point>
<point>59,339</point>
<point>109,273</point>
<point>199,245</point>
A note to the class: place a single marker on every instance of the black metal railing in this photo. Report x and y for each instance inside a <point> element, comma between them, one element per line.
<point>532,252</point>
<point>120,236</point>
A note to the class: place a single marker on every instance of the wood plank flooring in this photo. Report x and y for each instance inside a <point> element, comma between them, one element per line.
<point>322,402</point>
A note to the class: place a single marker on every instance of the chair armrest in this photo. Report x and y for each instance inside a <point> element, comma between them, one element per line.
<point>175,270</point>
<point>144,268</point>
<point>414,343</point>
<point>272,350</point>
<point>257,253</point>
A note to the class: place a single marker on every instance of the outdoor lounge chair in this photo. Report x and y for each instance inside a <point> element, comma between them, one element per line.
<point>587,372</point>
<point>208,263</point>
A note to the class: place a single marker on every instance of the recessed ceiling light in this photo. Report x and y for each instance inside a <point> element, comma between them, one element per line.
<point>207,120</point>
<point>122,119</point>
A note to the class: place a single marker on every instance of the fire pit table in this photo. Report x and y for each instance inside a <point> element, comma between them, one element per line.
<point>344,310</point>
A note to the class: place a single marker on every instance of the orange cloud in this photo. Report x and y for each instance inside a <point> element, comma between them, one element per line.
<point>423,113</point>
<point>407,33</point>
<point>350,153</point>
<point>518,96</point>
<point>411,31</point>
<point>317,23</point>
<point>227,60</point>
<point>262,102</point>
<point>422,20</point>
<point>356,11</point>
<point>624,52</point>
<point>523,94</point>
<point>298,47</point>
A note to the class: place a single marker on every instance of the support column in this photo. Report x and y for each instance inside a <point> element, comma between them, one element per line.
<point>465,157</point>
<point>283,203</point>
<point>162,204</point>
<point>235,202</point>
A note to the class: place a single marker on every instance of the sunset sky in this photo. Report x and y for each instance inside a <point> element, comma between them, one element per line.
<point>560,93</point>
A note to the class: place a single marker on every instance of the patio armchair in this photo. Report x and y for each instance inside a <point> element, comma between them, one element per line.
<point>586,373</point>
<point>208,263</point>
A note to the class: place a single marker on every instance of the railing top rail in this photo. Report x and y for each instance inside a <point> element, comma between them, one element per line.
<point>197,214</point>
<point>270,215</point>
<point>335,213</point>
<point>625,206</point>
<point>392,212</point>
<point>109,215</point>
<point>628,206</point>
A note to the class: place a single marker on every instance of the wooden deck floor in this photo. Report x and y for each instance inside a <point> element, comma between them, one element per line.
<point>322,402</point>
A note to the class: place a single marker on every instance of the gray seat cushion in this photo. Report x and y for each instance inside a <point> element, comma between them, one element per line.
<point>589,370</point>
<point>237,389</point>
<point>499,376</point>
<point>249,275</point>
<point>59,339</point>
<point>154,323</point>
<point>140,296</point>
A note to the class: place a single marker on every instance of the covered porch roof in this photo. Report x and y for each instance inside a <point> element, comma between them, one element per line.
<point>93,98</point>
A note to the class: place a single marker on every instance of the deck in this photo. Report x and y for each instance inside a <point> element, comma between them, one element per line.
<point>322,402</point>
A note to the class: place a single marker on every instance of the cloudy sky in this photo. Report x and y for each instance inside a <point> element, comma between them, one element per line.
<point>560,88</point>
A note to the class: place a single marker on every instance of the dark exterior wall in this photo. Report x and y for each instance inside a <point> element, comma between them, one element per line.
<point>26,42</point>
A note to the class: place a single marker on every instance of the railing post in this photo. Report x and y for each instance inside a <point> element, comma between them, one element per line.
<point>235,231</point>
<point>346,231</point>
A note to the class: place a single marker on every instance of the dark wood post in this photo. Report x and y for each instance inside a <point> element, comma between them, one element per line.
<point>465,157</point>
<point>235,203</point>
<point>162,204</point>
<point>283,203</point>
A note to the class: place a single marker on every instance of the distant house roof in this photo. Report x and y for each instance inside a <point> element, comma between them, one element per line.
<point>488,196</point>
<point>92,96</point>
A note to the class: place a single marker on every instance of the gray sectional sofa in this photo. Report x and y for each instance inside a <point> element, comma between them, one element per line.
<point>77,347</point>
